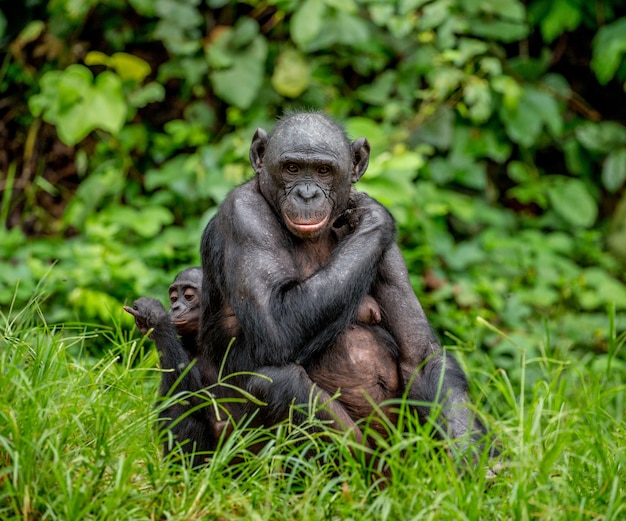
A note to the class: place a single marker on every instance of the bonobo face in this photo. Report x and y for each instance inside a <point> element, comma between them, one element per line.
<point>306,169</point>
<point>185,301</point>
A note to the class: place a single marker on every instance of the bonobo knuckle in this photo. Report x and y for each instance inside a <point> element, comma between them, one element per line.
<point>379,218</point>
<point>150,310</point>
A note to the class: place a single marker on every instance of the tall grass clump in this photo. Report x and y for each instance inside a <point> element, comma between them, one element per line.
<point>78,441</point>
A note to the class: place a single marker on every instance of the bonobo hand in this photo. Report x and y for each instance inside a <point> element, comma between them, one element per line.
<point>147,312</point>
<point>365,215</point>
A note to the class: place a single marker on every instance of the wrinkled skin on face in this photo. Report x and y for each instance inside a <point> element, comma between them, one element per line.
<point>306,169</point>
<point>184,294</point>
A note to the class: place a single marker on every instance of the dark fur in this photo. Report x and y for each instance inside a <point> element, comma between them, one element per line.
<point>303,272</point>
<point>292,297</point>
<point>191,421</point>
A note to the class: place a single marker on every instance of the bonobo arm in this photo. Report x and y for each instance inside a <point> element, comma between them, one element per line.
<point>149,313</point>
<point>285,318</point>
<point>439,379</point>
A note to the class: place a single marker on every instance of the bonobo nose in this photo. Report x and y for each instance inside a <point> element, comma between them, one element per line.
<point>308,192</point>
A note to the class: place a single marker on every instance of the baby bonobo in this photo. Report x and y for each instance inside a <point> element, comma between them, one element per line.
<point>175,335</point>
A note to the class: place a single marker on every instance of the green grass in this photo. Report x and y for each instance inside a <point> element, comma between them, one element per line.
<point>77,441</point>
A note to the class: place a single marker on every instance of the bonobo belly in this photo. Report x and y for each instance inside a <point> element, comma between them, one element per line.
<point>362,365</point>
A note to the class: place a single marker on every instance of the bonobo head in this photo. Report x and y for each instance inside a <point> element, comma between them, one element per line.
<point>185,301</point>
<point>306,167</point>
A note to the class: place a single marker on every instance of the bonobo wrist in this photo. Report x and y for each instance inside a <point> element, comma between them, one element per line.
<point>378,221</point>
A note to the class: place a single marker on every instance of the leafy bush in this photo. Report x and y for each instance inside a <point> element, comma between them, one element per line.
<point>497,131</point>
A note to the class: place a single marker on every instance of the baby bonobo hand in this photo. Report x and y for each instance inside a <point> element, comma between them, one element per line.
<point>369,311</point>
<point>147,312</point>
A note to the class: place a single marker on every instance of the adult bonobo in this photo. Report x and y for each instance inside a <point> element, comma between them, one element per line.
<point>175,335</point>
<point>290,260</point>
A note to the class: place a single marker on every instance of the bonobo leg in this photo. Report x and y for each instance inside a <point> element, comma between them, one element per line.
<point>433,376</point>
<point>363,365</point>
<point>289,385</point>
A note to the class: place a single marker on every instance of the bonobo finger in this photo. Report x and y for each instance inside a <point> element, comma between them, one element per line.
<point>133,312</point>
<point>358,199</point>
<point>348,219</point>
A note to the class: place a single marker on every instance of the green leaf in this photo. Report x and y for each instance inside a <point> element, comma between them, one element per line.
<point>511,91</point>
<point>390,178</point>
<point>240,84</point>
<point>614,170</point>
<point>307,22</point>
<point>562,17</point>
<point>127,66</point>
<point>609,44</point>
<point>498,30</point>
<point>477,96</point>
<point>434,15</point>
<point>144,7</point>
<point>468,48</point>
<point>437,130</point>
<point>342,5</point>
<point>601,137</point>
<point>571,199</point>
<point>380,90</point>
<point>244,32</point>
<point>350,29</point>
<point>71,101</point>
<point>519,172</point>
<point>601,289</point>
<point>509,9</point>
<point>182,13</point>
<point>292,74</point>
<point>522,125</point>
<point>375,133</point>
<point>150,220</point>
<point>107,106</point>
<point>576,161</point>
<point>30,33</point>
<point>179,25</point>
<point>524,122</point>
<point>150,93</point>
<point>549,110</point>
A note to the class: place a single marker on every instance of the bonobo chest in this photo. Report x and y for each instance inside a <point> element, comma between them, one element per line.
<point>309,255</point>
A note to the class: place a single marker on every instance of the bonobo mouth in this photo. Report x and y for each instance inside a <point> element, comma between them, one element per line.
<point>181,319</point>
<point>304,229</point>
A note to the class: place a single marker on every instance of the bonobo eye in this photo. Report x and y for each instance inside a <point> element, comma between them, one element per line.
<point>173,297</point>
<point>190,294</point>
<point>324,170</point>
<point>292,168</point>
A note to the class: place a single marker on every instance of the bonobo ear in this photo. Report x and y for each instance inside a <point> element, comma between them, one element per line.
<point>257,149</point>
<point>360,158</point>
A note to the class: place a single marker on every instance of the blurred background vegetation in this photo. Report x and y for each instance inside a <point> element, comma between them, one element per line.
<point>498,130</point>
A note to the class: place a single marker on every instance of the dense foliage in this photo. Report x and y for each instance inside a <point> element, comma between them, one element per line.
<point>497,126</point>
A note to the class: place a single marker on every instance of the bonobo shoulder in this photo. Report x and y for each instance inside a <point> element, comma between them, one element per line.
<point>245,212</point>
